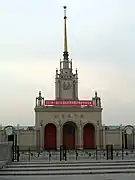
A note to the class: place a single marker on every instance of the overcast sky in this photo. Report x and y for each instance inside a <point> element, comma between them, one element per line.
<point>101,41</point>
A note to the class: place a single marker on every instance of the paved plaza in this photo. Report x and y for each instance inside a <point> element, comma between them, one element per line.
<point>76,177</point>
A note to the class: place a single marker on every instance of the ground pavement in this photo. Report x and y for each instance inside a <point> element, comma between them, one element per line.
<point>77,177</point>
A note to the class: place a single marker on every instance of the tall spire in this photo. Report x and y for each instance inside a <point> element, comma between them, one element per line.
<point>65,53</point>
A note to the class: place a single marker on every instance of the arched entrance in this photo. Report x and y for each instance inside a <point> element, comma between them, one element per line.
<point>69,135</point>
<point>50,136</point>
<point>89,136</point>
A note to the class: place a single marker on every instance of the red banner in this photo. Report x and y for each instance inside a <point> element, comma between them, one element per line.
<point>69,102</point>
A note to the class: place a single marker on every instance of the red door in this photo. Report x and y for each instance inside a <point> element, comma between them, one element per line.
<point>50,136</point>
<point>69,136</point>
<point>88,136</point>
<point>69,141</point>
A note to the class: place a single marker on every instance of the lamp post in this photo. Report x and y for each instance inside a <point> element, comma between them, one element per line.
<point>15,143</point>
<point>12,136</point>
<point>122,144</point>
<point>61,139</point>
<point>128,130</point>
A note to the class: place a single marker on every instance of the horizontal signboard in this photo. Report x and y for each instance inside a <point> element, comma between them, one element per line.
<point>69,102</point>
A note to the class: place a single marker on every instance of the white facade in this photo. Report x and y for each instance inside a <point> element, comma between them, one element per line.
<point>53,124</point>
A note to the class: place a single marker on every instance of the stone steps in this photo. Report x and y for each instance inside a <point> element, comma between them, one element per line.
<point>66,172</point>
<point>74,162</point>
<point>68,168</point>
<point>67,165</point>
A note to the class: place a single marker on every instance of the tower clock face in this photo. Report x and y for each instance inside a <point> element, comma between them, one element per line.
<point>67,85</point>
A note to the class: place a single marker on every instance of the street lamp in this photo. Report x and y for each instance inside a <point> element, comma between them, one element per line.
<point>9,130</point>
<point>128,130</point>
<point>12,136</point>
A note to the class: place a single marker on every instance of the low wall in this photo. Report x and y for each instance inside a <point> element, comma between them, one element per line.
<point>6,152</point>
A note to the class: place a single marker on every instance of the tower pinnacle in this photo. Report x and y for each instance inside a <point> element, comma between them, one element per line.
<point>66,82</point>
<point>65,53</point>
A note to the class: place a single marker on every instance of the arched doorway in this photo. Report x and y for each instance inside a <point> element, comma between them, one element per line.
<point>69,135</point>
<point>88,136</point>
<point>50,136</point>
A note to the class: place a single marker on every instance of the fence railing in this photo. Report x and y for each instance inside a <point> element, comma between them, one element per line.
<point>30,153</point>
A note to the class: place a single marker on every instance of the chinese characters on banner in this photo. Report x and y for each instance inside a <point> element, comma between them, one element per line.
<point>69,102</point>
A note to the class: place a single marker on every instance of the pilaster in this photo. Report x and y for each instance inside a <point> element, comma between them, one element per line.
<point>59,134</point>
<point>80,134</point>
<point>97,135</point>
<point>76,89</point>
<point>104,137</point>
<point>1,133</point>
<point>41,135</point>
<point>121,136</point>
<point>57,88</point>
<point>18,134</point>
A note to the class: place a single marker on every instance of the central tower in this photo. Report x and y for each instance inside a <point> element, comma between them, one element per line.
<point>66,82</point>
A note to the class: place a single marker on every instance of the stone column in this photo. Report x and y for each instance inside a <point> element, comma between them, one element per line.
<point>37,137</point>
<point>104,137</point>
<point>80,135</point>
<point>59,134</point>
<point>41,135</point>
<point>18,134</point>
<point>1,134</point>
<point>134,136</point>
<point>121,135</point>
<point>97,135</point>
<point>58,137</point>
